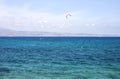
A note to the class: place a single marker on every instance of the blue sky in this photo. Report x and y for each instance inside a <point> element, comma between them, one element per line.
<point>88,16</point>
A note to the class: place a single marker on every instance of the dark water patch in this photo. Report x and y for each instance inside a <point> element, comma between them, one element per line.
<point>4,70</point>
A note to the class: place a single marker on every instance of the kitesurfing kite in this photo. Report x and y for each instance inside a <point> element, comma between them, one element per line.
<point>68,15</point>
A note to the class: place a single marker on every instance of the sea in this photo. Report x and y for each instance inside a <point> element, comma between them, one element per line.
<point>59,57</point>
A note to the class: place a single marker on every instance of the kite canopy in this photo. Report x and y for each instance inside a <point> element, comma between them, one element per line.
<point>68,15</point>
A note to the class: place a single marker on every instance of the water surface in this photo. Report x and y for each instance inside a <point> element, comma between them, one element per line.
<point>59,58</point>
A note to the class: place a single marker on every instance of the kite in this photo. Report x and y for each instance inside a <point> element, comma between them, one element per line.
<point>68,15</point>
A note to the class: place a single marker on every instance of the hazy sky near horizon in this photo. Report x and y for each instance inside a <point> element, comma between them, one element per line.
<point>88,16</point>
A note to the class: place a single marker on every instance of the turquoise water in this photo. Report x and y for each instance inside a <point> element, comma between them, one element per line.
<point>59,58</point>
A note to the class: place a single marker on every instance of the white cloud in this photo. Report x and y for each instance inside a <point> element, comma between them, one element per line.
<point>90,24</point>
<point>22,18</point>
<point>87,24</point>
<point>93,24</point>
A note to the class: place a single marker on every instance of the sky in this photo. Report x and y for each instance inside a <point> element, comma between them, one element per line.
<point>87,16</point>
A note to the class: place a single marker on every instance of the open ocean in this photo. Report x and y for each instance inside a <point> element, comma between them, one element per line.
<point>59,58</point>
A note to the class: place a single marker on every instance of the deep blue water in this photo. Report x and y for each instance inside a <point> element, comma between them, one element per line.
<point>59,58</point>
